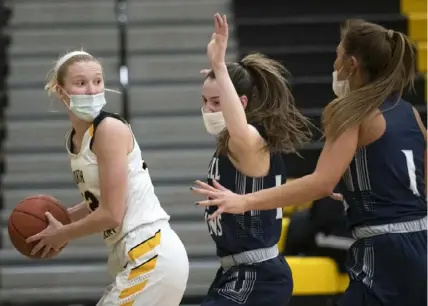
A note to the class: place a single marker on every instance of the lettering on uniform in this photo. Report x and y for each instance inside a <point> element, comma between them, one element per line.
<point>214,225</point>
<point>78,176</point>
<point>213,169</point>
<point>109,233</point>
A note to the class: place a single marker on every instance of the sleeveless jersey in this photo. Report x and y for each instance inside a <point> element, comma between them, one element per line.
<point>142,205</point>
<point>385,180</point>
<point>254,229</point>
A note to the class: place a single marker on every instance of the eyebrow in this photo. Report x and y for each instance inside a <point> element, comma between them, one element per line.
<point>84,76</point>
<point>215,97</point>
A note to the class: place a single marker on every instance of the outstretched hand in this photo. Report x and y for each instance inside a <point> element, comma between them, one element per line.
<point>224,199</point>
<point>216,49</point>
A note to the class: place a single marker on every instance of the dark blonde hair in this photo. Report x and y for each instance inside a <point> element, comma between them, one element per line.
<point>270,103</point>
<point>387,60</point>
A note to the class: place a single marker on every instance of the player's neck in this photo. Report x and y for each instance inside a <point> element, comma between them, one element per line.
<point>79,126</point>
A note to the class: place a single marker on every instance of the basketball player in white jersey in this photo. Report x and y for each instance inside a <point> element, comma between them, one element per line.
<point>147,258</point>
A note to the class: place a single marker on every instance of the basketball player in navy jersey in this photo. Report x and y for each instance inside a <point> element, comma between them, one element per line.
<point>248,106</point>
<point>375,150</point>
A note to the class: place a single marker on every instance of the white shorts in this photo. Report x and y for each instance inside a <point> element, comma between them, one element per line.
<point>150,267</point>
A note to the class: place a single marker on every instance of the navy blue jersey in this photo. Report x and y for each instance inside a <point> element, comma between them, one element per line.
<point>385,181</point>
<point>254,229</point>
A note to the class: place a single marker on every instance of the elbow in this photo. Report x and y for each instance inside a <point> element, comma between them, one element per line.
<point>113,219</point>
<point>115,222</point>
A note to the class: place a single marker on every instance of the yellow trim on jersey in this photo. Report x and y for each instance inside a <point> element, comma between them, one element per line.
<point>91,130</point>
<point>144,268</point>
<point>125,293</point>
<point>145,246</point>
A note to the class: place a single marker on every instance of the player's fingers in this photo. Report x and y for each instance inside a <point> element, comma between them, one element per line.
<point>337,196</point>
<point>205,72</point>
<point>218,185</point>
<point>51,218</point>
<point>204,185</point>
<point>225,25</point>
<point>217,213</point>
<point>215,202</point>
<point>46,251</point>
<point>204,192</point>
<point>216,26</point>
<point>36,237</point>
<point>37,248</point>
<point>216,22</point>
<point>219,20</point>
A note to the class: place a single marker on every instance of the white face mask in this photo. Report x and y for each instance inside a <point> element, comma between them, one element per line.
<point>214,122</point>
<point>340,88</point>
<point>87,107</point>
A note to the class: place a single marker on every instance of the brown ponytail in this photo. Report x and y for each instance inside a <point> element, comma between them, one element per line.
<point>270,103</point>
<point>387,58</point>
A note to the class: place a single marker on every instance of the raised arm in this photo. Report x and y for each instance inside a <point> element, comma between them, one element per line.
<point>244,138</point>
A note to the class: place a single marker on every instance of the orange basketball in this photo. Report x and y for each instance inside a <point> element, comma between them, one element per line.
<point>28,218</point>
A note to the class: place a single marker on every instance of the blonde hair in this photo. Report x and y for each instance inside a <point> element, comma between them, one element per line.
<point>387,58</point>
<point>56,75</point>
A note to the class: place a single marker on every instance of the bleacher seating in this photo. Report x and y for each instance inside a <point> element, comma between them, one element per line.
<point>167,49</point>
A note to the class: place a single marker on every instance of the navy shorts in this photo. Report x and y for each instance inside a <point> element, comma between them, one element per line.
<point>388,270</point>
<point>265,283</point>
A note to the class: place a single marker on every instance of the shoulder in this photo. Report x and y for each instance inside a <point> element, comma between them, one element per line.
<point>419,121</point>
<point>108,123</point>
<point>111,125</point>
<point>110,132</point>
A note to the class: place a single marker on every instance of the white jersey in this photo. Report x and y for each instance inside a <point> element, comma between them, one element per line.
<point>142,205</point>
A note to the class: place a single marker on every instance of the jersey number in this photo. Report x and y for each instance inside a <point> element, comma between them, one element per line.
<point>411,170</point>
<point>91,200</point>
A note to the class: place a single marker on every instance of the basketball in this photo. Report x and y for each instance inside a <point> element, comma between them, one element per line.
<point>28,218</point>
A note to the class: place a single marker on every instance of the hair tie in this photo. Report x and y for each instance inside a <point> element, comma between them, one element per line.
<point>242,65</point>
<point>390,33</point>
